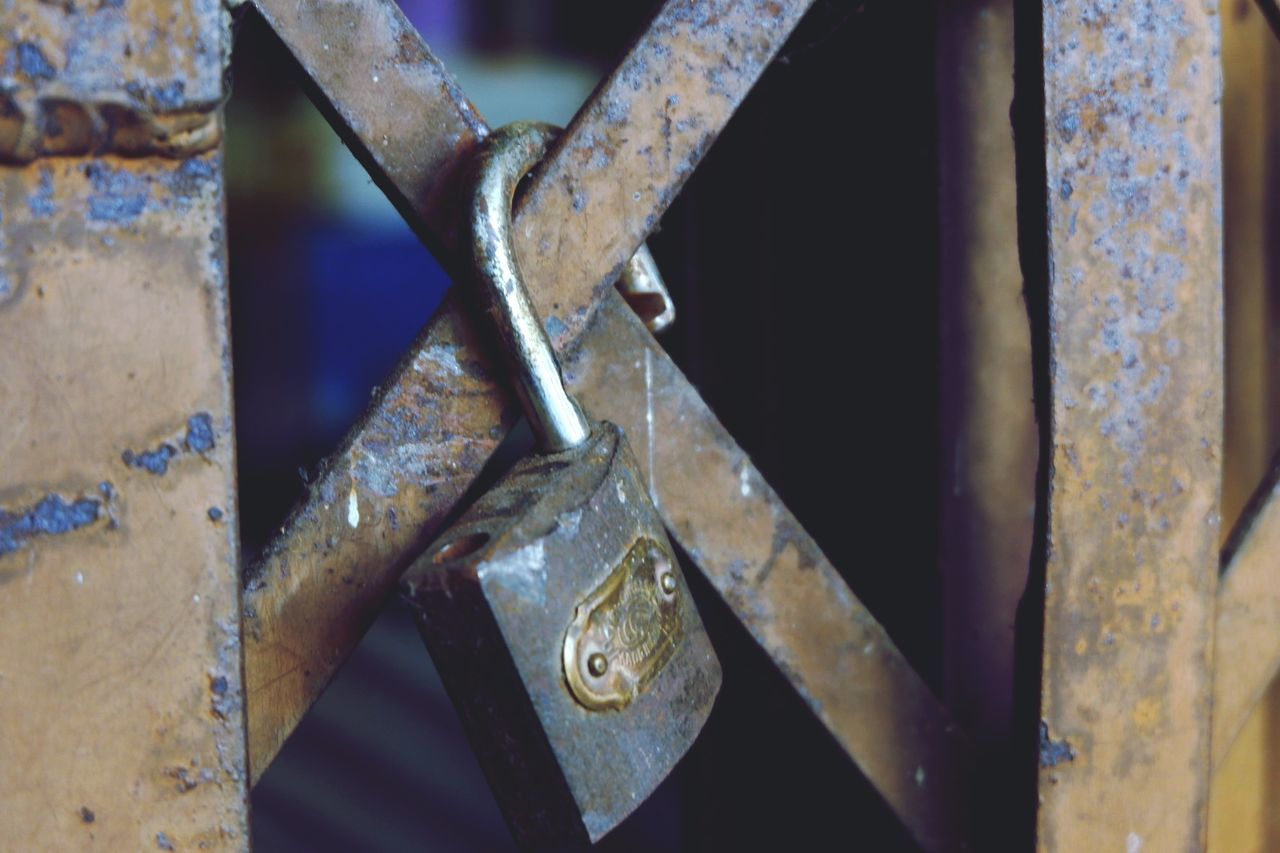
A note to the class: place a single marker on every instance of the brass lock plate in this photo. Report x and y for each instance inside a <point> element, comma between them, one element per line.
<point>626,630</point>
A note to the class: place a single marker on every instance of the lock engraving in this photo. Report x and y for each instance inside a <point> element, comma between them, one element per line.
<point>626,631</point>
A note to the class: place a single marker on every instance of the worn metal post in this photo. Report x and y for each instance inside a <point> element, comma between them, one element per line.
<point>120,661</point>
<point>1134,242</point>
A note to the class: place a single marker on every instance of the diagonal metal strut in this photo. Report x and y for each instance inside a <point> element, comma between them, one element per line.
<point>389,486</point>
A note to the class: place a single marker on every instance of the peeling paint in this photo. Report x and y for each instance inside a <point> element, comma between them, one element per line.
<point>29,59</point>
<point>1131,398</point>
<point>41,203</point>
<point>152,461</point>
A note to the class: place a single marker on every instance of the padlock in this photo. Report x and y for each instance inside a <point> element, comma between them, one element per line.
<point>555,609</point>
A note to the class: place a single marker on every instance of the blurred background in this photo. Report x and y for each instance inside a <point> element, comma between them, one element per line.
<point>850,303</point>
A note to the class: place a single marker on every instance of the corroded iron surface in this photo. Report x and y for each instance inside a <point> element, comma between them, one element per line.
<point>89,77</point>
<point>437,419</point>
<point>1135,365</point>
<point>120,660</point>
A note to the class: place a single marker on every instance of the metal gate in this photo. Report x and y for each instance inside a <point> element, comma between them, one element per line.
<point>1140,668</point>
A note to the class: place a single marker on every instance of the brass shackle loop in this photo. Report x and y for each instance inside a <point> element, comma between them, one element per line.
<point>505,157</point>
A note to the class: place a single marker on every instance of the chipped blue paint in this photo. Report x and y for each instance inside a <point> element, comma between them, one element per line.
<point>119,196</point>
<point>200,437</point>
<point>52,516</point>
<point>1134,209</point>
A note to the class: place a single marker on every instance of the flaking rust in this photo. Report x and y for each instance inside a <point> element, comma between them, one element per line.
<point>1135,358</point>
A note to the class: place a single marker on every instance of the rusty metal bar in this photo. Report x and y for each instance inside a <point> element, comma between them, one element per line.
<point>778,582</point>
<point>1134,243</point>
<point>1247,639</point>
<point>120,663</point>
<point>440,415</point>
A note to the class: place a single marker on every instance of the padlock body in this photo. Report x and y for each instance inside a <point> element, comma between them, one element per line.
<point>562,627</point>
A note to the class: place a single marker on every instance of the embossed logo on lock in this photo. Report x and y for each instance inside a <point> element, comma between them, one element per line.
<point>626,631</point>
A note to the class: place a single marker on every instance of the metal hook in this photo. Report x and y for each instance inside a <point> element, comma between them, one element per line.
<point>507,155</point>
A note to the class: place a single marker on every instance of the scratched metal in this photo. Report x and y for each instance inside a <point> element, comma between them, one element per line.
<point>497,600</point>
<point>88,76</point>
<point>1246,638</point>
<point>1133,172</point>
<point>120,659</point>
<point>440,415</point>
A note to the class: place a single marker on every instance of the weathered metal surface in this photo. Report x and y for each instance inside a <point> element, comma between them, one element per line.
<point>499,598</point>
<point>991,443</point>
<point>439,417</point>
<point>1135,365</point>
<point>390,485</point>
<point>1248,617</point>
<point>120,661</point>
<point>82,76</point>
<point>1242,813</point>
<point>777,581</point>
<point>1247,438</point>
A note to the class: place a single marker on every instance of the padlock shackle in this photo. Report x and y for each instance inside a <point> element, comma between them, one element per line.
<point>503,160</point>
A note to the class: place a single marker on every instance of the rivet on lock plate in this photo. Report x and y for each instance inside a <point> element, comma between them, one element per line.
<point>555,609</point>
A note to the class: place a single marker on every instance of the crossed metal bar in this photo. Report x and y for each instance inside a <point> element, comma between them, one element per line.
<point>438,418</point>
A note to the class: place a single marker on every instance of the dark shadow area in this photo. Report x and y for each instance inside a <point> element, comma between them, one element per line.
<point>1010,815</point>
